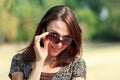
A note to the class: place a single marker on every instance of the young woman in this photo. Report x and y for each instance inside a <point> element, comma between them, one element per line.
<point>54,50</point>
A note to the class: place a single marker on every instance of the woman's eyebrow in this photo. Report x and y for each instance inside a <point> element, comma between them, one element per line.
<point>53,31</point>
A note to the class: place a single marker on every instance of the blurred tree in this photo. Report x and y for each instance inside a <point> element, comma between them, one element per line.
<point>86,14</point>
<point>109,29</point>
<point>25,15</point>
<point>103,25</point>
<point>99,19</point>
<point>87,21</point>
<point>8,26</point>
<point>95,6</point>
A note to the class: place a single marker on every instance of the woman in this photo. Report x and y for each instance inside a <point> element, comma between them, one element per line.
<point>54,50</point>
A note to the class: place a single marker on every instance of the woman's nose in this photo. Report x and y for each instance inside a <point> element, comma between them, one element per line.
<point>59,45</point>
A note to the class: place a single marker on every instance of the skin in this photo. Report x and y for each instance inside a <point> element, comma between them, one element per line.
<point>46,56</point>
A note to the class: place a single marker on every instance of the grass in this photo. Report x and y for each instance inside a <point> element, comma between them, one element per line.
<point>102,60</point>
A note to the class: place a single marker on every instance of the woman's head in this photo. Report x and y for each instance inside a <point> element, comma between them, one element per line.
<point>68,27</point>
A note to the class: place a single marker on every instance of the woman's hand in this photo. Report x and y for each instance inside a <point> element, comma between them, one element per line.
<point>41,52</point>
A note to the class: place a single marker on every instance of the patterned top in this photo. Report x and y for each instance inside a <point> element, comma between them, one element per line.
<point>76,68</point>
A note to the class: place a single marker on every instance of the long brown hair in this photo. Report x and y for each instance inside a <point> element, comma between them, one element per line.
<point>74,49</point>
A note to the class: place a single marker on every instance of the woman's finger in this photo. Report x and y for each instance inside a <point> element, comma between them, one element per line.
<point>46,42</point>
<point>39,37</point>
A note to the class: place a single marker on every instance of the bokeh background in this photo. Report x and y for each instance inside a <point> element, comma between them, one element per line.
<point>99,20</point>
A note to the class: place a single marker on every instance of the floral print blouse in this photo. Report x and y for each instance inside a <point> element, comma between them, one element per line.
<point>76,68</point>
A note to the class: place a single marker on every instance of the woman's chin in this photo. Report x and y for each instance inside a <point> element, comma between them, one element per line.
<point>54,53</point>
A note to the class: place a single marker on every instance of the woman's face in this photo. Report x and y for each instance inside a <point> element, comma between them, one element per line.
<point>59,29</point>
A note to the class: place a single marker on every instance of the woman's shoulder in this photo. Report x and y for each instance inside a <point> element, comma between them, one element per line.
<point>17,57</point>
<point>78,60</point>
<point>78,68</point>
<point>78,63</point>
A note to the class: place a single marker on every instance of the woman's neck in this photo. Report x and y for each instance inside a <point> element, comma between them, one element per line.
<point>51,61</point>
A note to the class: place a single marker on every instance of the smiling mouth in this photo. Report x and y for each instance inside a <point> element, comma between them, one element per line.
<point>56,50</point>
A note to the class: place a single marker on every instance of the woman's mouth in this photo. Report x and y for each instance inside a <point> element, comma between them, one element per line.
<point>55,49</point>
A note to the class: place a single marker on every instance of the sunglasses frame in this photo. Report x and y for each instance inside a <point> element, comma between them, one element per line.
<point>56,40</point>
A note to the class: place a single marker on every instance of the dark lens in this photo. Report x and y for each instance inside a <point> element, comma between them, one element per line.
<point>66,41</point>
<point>53,38</point>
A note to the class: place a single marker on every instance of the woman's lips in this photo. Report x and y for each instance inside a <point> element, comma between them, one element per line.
<point>54,49</point>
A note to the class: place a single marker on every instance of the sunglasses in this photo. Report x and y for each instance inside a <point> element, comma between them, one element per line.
<point>56,40</point>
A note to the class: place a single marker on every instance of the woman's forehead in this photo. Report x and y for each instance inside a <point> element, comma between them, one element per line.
<point>58,26</point>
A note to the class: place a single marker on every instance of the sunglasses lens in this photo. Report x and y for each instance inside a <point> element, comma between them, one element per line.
<point>65,41</point>
<point>53,38</point>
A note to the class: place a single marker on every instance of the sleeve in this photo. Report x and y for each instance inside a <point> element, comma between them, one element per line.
<point>16,64</point>
<point>79,68</point>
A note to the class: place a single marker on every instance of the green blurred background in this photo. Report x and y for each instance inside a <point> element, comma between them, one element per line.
<point>99,20</point>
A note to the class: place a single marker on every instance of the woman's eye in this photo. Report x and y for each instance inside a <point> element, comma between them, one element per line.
<point>67,36</point>
<point>54,34</point>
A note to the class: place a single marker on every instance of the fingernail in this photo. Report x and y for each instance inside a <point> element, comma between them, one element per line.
<point>47,32</point>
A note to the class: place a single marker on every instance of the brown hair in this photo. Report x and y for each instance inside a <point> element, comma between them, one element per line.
<point>74,49</point>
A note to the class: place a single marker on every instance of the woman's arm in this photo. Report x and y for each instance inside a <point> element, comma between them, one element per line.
<point>36,71</point>
<point>16,68</point>
<point>41,54</point>
<point>17,76</point>
<point>79,69</point>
